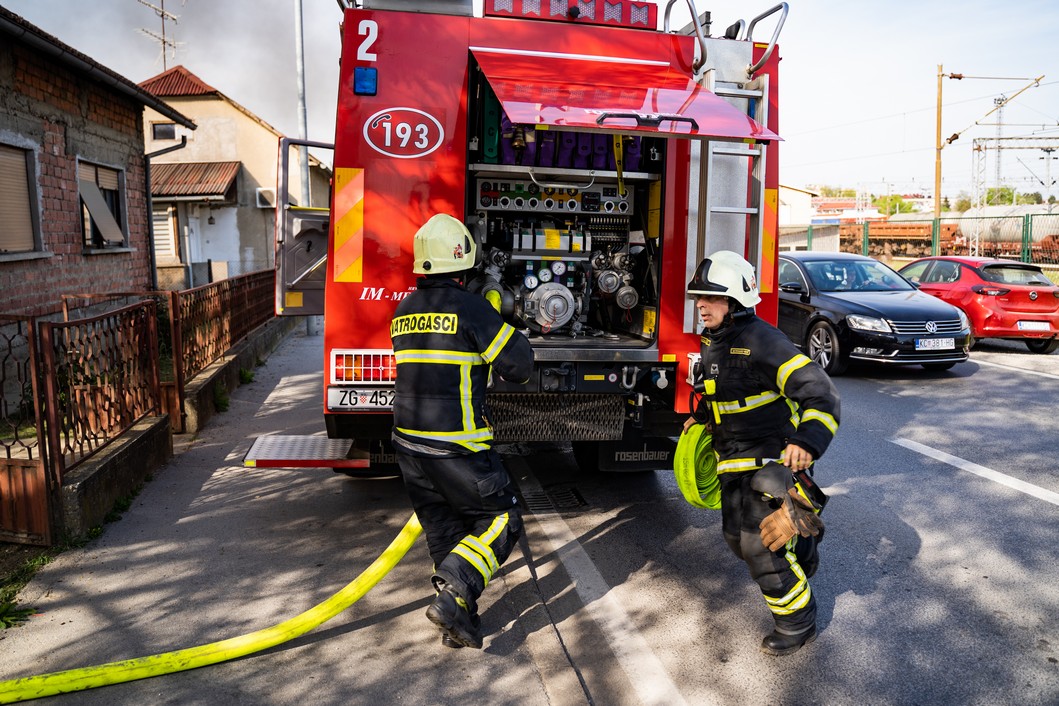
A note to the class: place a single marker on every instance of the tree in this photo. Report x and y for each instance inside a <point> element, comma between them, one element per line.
<point>892,204</point>
<point>835,192</point>
<point>945,206</point>
<point>999,196</point>
<point>963,204</point>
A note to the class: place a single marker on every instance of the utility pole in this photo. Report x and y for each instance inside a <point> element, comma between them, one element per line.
<point>956,135</point>
<point>303,126</point>
<point>937,154</point>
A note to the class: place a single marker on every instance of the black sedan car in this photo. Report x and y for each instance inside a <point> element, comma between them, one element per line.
<point>839,307</point>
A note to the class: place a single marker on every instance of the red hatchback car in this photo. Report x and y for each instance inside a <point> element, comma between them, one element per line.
<point>1002,298</point>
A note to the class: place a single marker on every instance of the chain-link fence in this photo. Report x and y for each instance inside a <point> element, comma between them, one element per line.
<point>1024,237</point>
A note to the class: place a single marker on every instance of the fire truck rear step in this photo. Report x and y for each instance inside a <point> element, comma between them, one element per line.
<point>289,451</point>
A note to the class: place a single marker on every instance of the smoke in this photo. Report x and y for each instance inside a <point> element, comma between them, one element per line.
<point>243,48</point>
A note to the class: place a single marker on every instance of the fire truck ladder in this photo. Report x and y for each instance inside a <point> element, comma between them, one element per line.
<point>730,183</point>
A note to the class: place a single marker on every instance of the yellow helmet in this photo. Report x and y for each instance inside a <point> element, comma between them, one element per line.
<point>441,246</point>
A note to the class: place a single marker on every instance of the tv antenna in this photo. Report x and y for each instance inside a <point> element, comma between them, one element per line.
<point>165,42</point>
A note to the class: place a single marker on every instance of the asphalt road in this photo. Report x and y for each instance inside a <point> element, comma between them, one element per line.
<point>937,584</point>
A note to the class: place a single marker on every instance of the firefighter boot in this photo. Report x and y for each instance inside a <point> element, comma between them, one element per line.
<point>449,642</point>
<point>450,613</point>
<point>778,643</point>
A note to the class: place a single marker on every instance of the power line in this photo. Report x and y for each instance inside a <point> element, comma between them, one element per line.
<point>911,112</point>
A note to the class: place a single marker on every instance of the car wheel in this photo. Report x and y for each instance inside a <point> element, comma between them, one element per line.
<point>938,366</point>
<point>823,347</point>
<point>1042,345</point>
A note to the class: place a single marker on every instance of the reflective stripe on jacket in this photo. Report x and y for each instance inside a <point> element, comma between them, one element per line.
<point>767,394</point>
<point>445,340</point>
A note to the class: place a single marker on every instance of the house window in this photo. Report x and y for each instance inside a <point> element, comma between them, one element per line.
<point>18,202</point>
<point>163,131</point>
<point>101,205</point>
<point>164,245</point>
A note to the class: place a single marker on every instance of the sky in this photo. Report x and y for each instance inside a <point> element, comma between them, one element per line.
<point>858,80</point>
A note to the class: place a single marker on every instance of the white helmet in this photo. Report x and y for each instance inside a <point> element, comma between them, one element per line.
<point>725,273</point>
<point>441,246</point>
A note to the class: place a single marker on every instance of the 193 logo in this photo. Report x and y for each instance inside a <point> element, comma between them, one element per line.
<point>404,133</point>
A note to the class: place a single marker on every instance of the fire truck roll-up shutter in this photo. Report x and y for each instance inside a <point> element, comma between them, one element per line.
<point>603,94</point>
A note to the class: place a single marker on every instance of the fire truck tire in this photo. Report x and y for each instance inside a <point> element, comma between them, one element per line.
<point>41,685</point>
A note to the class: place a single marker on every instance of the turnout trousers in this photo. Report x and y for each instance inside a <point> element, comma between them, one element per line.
<point>470,514</point>
<point>783,575</point>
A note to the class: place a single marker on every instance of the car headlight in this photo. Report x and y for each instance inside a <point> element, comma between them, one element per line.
<point>868,323</point>
<point>964,321</point>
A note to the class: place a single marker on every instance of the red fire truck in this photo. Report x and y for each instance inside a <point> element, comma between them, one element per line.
<point>596,156</point>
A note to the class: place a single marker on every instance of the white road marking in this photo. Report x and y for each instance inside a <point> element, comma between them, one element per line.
<point>1051,376</point>
<point>640,664</point>
<point>988,473</point>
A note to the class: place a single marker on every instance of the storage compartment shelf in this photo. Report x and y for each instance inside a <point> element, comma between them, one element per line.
<point>582,176</point>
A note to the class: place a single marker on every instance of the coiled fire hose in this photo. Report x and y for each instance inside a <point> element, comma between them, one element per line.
<point>63,682</point>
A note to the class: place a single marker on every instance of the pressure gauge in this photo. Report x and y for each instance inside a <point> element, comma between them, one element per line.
<point>559,268</point>
<point>545,275</point>
<point>531,281</point>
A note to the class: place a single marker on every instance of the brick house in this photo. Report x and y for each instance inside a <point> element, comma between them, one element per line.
<point>74,204</point>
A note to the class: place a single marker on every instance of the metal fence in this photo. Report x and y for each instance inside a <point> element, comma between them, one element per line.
<point>69,387</point>
<point>100,376</point>
<point>211,318</point>
<point>1026,237</point>
<point>23,481</point>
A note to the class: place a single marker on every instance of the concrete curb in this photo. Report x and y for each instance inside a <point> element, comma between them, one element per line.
<point>90,491</point>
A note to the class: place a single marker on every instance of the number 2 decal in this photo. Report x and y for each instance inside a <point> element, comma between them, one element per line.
<point>369,29</point>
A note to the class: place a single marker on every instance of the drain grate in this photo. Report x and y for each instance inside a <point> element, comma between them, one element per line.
<point>555,499</point>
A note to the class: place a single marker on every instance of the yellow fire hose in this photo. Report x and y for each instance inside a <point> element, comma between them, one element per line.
<point>143,667</point>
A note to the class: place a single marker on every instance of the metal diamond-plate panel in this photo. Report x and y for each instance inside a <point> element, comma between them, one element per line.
<point>288,451</point>
<point>558,417</point>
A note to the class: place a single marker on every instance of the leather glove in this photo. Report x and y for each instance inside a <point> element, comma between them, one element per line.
<point>795,516</point>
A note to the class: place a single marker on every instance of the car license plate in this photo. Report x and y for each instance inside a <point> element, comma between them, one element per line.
<point>1033,326</point>
<point>348,398</point>
<point>935,344</point>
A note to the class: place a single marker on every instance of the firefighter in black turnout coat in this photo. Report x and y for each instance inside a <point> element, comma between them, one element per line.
<point>445,341</point>
<point>772,412</point>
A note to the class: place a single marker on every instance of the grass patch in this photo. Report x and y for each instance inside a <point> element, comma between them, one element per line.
<point>245,376</point>
<point>121,506</point>
<point>15,579</point>
<point>221,401</point>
